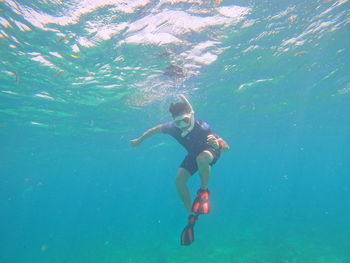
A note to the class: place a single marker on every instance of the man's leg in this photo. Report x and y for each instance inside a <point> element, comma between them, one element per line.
<point>184,194</point>
<point>204,160</point>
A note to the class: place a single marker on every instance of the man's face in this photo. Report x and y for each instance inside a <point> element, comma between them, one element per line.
<point>182,121</point>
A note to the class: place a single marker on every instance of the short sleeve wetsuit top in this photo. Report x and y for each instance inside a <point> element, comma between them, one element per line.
<point>194,142</point>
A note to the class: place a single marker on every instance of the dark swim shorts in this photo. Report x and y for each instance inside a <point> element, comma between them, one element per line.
<point>190,164</point>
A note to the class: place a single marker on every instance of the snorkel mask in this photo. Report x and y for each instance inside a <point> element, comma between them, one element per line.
<point>185,121</point>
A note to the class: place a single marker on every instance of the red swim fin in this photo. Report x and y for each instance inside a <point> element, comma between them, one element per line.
<point>187,235</point>
<point>201,204</point>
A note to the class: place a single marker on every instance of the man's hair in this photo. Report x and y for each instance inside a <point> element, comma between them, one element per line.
<point>178,108</point>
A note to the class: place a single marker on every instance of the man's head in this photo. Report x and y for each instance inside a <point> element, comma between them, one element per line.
<point>182,115</point>
<point>179,108</point>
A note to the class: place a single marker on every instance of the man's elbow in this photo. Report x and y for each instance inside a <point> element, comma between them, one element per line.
<point>157,129</point>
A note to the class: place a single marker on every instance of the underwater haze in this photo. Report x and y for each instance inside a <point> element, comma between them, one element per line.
<point>80,79</point>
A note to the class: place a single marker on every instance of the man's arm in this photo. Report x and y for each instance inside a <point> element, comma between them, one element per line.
<point>155,130</point>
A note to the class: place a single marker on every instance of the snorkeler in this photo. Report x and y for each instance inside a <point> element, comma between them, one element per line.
<point>204,148</point>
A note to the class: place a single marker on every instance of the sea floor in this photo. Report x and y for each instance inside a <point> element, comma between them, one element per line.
<point>249,246</point>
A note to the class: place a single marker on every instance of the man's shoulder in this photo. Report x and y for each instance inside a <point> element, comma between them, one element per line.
<point>203,124</point>
<point>168,127</point>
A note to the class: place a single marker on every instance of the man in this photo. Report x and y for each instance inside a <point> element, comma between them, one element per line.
<point>204,148</point>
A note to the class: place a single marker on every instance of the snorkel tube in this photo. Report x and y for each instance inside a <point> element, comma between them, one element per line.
<point>190,127</point>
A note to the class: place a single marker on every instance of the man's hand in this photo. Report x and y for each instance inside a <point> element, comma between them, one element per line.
<point>213,141</point>
<point>135,142</point>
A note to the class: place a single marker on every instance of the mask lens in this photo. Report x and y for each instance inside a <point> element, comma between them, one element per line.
<point>186,120</point>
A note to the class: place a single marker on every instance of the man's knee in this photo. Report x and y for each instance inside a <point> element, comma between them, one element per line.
<point>181,177</point>
<point>204,157</point>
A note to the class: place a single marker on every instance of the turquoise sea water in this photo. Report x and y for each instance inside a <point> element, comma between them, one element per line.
<point>79,79</point>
